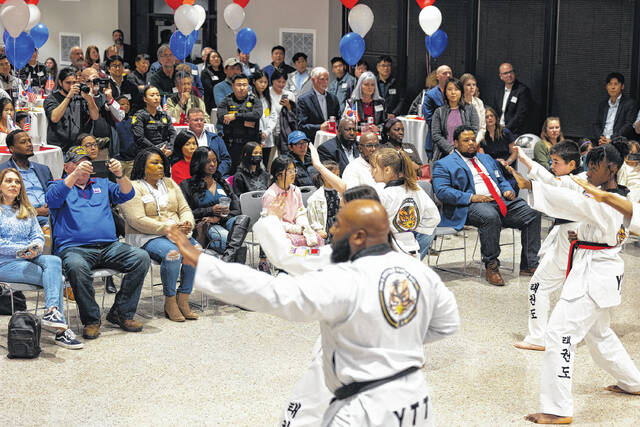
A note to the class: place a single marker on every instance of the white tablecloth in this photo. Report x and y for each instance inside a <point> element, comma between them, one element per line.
<point>415,133</point>
<point>322,137</point>
<point>49,155</point>
<point>38,130</point>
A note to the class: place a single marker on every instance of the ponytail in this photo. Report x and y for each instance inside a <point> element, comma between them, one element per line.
<point>401,164</point>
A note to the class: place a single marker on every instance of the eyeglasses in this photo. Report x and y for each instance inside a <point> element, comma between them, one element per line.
<point>90,145</point>
<point>116,65</point>
<point>506,73</point>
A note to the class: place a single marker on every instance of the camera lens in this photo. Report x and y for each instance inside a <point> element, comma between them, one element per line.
<point>84,88</point>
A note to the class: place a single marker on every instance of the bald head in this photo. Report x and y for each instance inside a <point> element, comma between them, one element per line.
<point>368,145</point>
<point>347,132</point>
<point>359,224</point>
<point>443,73</point>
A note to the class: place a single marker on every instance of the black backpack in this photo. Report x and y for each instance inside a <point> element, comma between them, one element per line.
<point>24,335</point>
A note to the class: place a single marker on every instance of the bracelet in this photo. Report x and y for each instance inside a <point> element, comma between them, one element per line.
<point>119,177</point>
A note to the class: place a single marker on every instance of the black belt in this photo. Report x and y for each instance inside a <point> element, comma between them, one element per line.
<point>354,388</point>
<point>560,221</point>
<point>579,244</point>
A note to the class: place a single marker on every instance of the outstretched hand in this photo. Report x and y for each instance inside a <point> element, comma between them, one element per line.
<point>597,193</point>
<point>523,182</point>
<point>315,157</point>
<point>524,159</point>
<point>190,253</point>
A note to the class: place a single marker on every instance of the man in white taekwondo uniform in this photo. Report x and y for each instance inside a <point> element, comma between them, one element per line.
<point>592,286</point>
<point>376,312</point>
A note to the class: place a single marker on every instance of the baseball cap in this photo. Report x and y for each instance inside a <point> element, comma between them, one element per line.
<point>296,136</point>
<point>230,62</point>
<point>75,154</point>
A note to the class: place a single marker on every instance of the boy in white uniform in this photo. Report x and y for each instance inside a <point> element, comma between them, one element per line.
<point>374,376</point>
<point>592,286</point>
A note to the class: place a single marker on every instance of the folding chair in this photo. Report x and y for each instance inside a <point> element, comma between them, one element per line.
<point>26,287</point>
<point>251,205</point>
<point>307,191</point>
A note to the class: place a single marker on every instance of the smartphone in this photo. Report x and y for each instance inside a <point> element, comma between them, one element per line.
<point>100,168</point>
<point>634,157</point>
<point>285,96</point>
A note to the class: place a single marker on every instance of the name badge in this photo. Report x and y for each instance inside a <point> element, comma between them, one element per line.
<point>97,190</point>
<point>194,72</point>
<point>409,150</point>
<point>378,108</point>
<point>392,91</point>
<point>249,124</point>
<point>514,99</point>
<point>174,90</point>
<point>147,198</point>
<point>344,86</point>
<point>496,173</point>
<point>215,78</point>
<point>128,96</point>
<point>40,73</point>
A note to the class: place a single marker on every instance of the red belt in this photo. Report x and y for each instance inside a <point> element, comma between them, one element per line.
<point>579,244</point>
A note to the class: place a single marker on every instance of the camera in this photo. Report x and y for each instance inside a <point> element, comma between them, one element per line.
<point>84,88</point>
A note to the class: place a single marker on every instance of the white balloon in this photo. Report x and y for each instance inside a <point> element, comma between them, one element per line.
<point>430,19</point>
<point>234,16</point>
<point>34,16</point>
<point>361,19</point>
<point>186,19</point>
<point>202,15</point>
<point>14,16</point>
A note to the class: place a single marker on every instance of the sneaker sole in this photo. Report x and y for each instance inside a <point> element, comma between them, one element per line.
<point>70,346</point>
<point>49,324</point>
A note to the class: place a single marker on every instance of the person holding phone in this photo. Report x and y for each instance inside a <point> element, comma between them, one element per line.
<point>21,259</point>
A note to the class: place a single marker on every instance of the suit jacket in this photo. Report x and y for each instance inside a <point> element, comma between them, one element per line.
<point>453,186</point>
<point>433,99</point>
<point>216,143</point>
<point>519,110</point>
<point>623,123</point>
<point>310,115</point>
<point>393,94</point>
<point>42,171</point>
<point>333,150</point>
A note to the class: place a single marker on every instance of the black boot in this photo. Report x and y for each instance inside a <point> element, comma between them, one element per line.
<point>109,286</point>
<point>236,238</point>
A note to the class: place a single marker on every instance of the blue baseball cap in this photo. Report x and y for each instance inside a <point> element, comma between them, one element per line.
<point>296,136</point>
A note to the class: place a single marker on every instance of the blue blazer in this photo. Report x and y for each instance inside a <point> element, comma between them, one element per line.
<point>432,100</point>
<point>42,172</point>
<point>310,115</point>
<point>216,143</point>
<point>453,186</point>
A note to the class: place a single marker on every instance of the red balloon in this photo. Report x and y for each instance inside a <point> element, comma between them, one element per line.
<point>27,1</point>
<point>425,3</point>
<point>242,3</point>
<point>174,4</point>
<point>349,3</point>
<point>189,2</point>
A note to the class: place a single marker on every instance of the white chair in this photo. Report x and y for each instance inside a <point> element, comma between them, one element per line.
<point>251,205</point>
<point>307,191</point>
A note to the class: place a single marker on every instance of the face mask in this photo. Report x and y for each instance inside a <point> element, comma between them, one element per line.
<point>341,251</point>
<point>256,160</point>
<point>584,162</point>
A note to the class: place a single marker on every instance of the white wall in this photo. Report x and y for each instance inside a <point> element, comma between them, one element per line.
<point>93,19</point>
<point>266,17</point>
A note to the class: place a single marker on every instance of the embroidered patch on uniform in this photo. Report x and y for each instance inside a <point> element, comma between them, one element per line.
<point>398,294</point>
<point>249,104</point>
<point>164,120</point>
<point>622,234</point>
<point>134,119</point>
<point>408,217</point>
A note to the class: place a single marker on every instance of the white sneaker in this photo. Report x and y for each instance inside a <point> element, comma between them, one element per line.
<point>67,339</point>
<point>53,319</point>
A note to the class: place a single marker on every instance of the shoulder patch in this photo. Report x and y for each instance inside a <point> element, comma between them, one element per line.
<point>134,119</point>
<point>164,120</point>
<point>408,216</point>
<point>398,294</point>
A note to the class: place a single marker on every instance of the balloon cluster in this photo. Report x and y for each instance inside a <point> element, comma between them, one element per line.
<point>360,20</point>
<point>234,15</point>
<point>23,33</point>
<point>430,19</point>
<point>189,18</point>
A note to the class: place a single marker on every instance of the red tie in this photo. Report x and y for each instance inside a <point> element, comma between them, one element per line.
<point>491,187</point>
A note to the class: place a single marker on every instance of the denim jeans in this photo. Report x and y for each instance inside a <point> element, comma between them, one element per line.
<point>170,269</point>
<point>424,241</point>
<point>486,216</point>
<point>218,235</point>
<point>77,263</point>
<point>43,270</point>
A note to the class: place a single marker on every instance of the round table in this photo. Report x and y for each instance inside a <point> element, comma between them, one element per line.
<point>49,155</point>
<point>38,124</point>
<point>415,133</point>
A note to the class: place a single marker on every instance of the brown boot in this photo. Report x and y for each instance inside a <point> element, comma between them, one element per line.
<point>183,305</point>
<point>171,310</point>
<point>493,274</point>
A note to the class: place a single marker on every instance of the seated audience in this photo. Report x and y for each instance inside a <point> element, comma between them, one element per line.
<point>250,175</point>
<point>455,112</point>
<point>298,151</point>
<point>498,142</point>
<point>201,62</point>
<point>248,67</point>
<point>341,149</point>
<point>157,204</point>
<point>277,58</point>
<point>183,148</point>
<point>344,82</point>
<point>35,176</point>
<point>121,86</point>
<point>127,149</point>
<point>221,224</point>
<point>191,70</point>
<point>21,119</point>
<point>434,98</point>
<point>269,118</point>
<point>213,140</point>
<point>474,192</point>
<point>84,237</point>
<point>181,102</point>
<point>629,173</point>
<point>361,67</point>
<point>470,86</point>
<point>617,114</point>
<point>514,103</point>
<point>299,81</point>
<point>21,258</point>
<point>139,75</point>
<point>323,204</point>
<point>408,207</point>
<point>316,107</point>
<point>69,111</point>
<point>366,101</point>
<point>7,119</point>
<point>221,90</point>
<point>211,75</point>
<point>585,145</point>
<point>390,89</point>
<point>287,201</point>
<point>162,79</point>
<point>550,135</point>
<point>152,127</point>
<point>392,137</point>
<point>416,105</point>
<point>358,171</point>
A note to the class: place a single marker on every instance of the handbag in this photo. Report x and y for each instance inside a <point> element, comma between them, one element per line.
<point>19,301</point>
<point>201,232</point>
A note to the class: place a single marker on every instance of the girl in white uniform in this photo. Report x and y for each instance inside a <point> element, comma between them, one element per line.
<point>593,285</point>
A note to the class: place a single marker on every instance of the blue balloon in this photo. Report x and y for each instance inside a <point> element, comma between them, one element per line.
<point>352,48</point>
<point>437,43</point>
<point>246,40</point>
<point>19,50</point>
<point>193,37</point>
<point>40,35</point>
<point>180,45</point>
<point>4,37</point>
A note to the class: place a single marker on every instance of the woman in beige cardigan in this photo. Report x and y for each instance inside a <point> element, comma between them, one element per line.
<point>158,203</point>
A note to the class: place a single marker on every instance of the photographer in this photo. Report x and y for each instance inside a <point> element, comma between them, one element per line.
<point>69,111</point>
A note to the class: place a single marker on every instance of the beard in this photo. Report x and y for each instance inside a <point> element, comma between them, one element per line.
<point>468,155</point>
<point>341,251</point>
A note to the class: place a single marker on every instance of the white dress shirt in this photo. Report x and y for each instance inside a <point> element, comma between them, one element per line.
<point>505,100</point>
<point>478,182</point>
<point>202,139</point>
<point>611,117</point>
<point>322,100</point>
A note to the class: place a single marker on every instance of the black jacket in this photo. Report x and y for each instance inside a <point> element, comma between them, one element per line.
<point>129,90</point>
<point>246,126</point>
<point>304,170</point>
<point>310,115</point>
<point>379,111</point>
<point>74,121</point>
<point>623,123</point>
<point>393,94</point>
<point>137,78</point>
<point>38,75</point>
<point>288,122</point>
<point>152,131</point>
<point>519,110</point>
<point>210,78</point>
<point>244,181</point>
<point>200,212</point>
<point>333,150</point>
